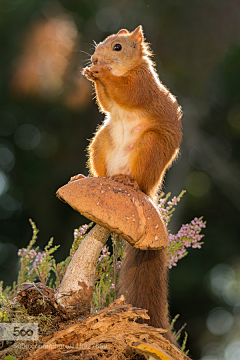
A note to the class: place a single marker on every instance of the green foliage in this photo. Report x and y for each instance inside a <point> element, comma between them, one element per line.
<point>107,274</point>
<point>41,265</point>
<point>3,302</point>
<point>36,264</point>
<point>183,347</point>
<point>174,321</point>
<point>24,273</point>
<point>178,334</point>
<point>44,268</point>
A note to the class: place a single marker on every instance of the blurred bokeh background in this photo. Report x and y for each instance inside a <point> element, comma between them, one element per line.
<point>48,115</point>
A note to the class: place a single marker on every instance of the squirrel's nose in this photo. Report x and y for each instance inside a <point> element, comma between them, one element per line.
<point>94,59</point>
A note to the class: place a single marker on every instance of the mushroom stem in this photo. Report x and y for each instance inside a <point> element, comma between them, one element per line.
<point>74,295</point>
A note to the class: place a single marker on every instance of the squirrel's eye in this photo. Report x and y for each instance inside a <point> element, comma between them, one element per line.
<point>117,47</point>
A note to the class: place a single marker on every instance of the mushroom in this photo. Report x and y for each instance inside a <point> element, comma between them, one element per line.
<point>115,207</point>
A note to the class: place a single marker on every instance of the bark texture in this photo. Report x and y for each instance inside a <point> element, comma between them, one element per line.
<point>112,334</point>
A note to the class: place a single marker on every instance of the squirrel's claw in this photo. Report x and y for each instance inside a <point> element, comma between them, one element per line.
<point>88,73</point>
<point>125,179</point>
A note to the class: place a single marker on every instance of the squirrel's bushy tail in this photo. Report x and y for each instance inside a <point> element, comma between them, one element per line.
<point>144,282</point>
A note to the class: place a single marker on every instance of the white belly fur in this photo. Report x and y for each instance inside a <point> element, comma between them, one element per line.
<point>125,128</point>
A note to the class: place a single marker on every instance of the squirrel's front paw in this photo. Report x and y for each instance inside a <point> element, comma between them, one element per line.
<point>99,70</point>
<point>89,75</point>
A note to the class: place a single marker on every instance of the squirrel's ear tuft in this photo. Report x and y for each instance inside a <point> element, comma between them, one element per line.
<point>123,31</point>
<point>137,34</point>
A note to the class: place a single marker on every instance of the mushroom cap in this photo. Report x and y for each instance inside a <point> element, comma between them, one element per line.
<point>118,207</point>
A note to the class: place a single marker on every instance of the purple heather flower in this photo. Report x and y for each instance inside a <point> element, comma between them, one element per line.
<point>187,236</point>
<point>80,232</point>
<point>104,250</point>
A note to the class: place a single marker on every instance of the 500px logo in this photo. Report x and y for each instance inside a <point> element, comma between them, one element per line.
<point>18,331</point>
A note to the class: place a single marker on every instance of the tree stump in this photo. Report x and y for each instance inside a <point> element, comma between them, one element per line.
<point>111,334</point>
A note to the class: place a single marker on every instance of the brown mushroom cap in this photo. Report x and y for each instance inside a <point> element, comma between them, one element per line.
<point>118,207</point>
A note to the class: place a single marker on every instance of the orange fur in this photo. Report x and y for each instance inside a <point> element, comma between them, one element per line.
<point>140,137</point>
<point>100,145</point>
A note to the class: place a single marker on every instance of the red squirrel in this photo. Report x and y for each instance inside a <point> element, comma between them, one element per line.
<point>138,141</point>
